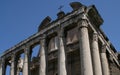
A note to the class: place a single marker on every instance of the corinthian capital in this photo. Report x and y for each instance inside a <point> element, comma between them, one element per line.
<point>103,50</point>
<point>95,36</point>
<point>82,23</point>
<point>42,41</point>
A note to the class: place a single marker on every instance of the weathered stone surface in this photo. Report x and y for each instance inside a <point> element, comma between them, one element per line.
<point>61,14</point>
<point>76,5</point>
<point>85,54</point>
<point>74,50</point>
<point>95,55</point>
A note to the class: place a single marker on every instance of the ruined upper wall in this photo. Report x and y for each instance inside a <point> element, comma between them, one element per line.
<point>91,11</point>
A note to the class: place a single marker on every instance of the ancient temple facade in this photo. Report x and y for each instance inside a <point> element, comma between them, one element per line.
<point>73,44</point>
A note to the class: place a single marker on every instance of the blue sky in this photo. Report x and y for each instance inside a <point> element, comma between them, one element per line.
<point>19,19</point>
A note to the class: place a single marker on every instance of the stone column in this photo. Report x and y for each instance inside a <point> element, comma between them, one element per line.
<point>18,71</point>
<point>104,61</point>
<point>42,69</point>
<point>12,68</point>
<point>17,65</point>
<point>2,66</point>
<point>61,55</point>
<point>26,62</point>
<point>85,54</point>
<point>96,56</point>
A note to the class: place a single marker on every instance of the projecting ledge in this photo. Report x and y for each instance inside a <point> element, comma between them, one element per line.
<point>94,15</point>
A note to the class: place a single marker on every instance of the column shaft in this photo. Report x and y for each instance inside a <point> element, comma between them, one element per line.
<point>2,67</point>
<point>61,55</point>
<point>42,58</point>
<point>0,70</point>
<point>26,68</point>
<point>18,72</point>
<point>12,68</point>
<point>18,60</point>
<point>85,54</point>
<point>96,55</point>
<point>104,61</point>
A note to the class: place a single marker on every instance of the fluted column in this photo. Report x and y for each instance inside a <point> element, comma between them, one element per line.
<point>42,69</point>
<point>61,55</point>
<point>104,61</point>
<point>12,68</point>
<point>85,54</point>
<point>26,66</point>
<point>96,56</point>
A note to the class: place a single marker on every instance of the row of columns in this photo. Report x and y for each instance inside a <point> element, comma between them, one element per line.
<point>92,61</point>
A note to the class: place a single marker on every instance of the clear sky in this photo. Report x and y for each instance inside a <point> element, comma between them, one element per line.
<point>20,19</point>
